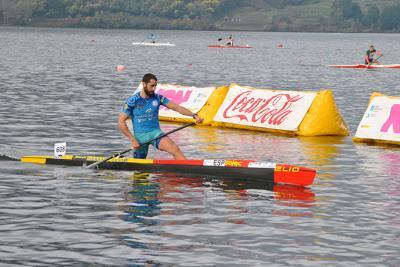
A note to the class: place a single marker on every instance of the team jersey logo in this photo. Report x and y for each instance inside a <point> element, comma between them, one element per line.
<point>154,103</point>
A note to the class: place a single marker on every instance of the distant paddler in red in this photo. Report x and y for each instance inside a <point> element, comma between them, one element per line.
<point>369,56</point>
<point>229,40</point>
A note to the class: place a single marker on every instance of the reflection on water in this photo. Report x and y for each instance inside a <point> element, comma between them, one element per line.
<point>381,160</point>
<point>322,150</point>
<point>142,202</point>
<point>149,196</point>
<point>164,210</point>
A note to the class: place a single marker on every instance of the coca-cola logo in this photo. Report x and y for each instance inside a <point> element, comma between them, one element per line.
<point>273,111</point>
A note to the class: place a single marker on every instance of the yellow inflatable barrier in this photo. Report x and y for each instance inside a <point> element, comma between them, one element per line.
<point>323,117</point>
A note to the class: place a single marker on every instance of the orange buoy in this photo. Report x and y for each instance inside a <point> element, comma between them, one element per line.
<point>120,68</point>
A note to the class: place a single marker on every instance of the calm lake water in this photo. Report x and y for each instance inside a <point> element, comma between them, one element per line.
<point>61,85</point>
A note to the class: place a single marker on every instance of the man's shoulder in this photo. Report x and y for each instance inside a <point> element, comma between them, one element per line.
<point>133,98</point>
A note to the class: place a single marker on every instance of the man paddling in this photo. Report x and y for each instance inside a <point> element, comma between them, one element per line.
<point>142,108</point>
<point>230,40</point>
<point>369,56</point>
<point>152,38</point>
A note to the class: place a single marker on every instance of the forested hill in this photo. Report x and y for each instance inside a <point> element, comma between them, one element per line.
<point>254,15</point>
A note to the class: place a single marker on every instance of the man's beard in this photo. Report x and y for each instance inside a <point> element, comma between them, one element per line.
<point>148,93</point>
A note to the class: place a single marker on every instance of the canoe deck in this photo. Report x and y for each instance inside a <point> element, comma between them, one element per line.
<point>241,169</point>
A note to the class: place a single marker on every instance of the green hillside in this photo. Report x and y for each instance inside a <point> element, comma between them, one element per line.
<point>316,15</point>
<point>254,15</point>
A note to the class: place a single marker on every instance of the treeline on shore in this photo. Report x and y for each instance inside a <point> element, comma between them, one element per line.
<point>283,15</point>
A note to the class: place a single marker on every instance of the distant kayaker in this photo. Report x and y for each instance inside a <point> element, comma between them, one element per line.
<point>369,56</point>
<point>230,40</point>
<point>152,38</point>
<point>142,108</point>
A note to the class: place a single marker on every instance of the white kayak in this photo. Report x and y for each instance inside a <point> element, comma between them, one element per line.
<point>153,44</point>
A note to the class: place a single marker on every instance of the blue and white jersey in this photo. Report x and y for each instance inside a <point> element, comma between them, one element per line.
<point>144,111</point>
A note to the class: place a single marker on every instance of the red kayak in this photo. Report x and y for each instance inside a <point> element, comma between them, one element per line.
<point>363,66</point>
<point>229,46</point>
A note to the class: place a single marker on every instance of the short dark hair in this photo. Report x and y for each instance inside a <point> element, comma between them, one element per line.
<point>148,77</point>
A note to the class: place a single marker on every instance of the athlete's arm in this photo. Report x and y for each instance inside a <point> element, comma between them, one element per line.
<point>184,111</point>
<point>125,130</point>
<point>367,59</point>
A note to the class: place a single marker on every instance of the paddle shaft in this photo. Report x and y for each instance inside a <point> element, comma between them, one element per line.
<point>375,60</point>
<point>146,143</point>
<point>144,40</point>
<point>378,57</point>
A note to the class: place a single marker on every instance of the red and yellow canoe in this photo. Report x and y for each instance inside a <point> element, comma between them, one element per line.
<point>241,169</point>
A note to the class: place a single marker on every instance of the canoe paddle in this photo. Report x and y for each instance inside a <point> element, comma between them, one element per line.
<point>375,61</point>
<point>7,158</point>
<point>146,143</point>
<point>143,40</point>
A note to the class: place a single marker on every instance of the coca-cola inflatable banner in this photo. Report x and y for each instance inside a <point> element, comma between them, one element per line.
<point>283,110</point>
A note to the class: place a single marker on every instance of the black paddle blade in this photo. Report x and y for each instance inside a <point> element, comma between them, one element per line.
<point>7,158</point>
<point>219,39</point>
